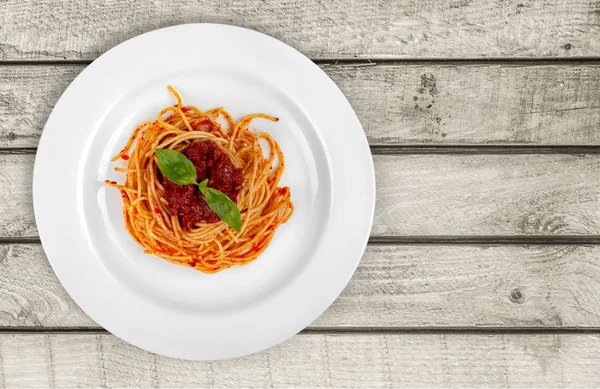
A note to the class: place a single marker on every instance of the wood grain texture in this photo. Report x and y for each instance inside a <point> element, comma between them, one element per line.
<point>425,195</point>
<point>404,286</point>
<point>16,203</point>
<point>27,96</point>
<point>394,286</point>
<point>511,105</point>
<point>338,361</point>
<point>487,195</point>
<point>412,104</point>
<point>58,29</point>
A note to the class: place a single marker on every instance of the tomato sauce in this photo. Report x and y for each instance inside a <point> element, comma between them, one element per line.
<point>186,201</point>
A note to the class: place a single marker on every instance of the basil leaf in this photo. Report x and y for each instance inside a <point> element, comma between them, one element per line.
<point>222,205</point>
<point>175,166</point>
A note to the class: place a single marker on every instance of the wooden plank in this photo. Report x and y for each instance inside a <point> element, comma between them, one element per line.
<point>487,195</point>
<point>339,361</point>
<point>27,96</point>
<point>426,195</point>
<point>16,203</point>
<point>476,104</point>
<point>394,286</point>
<point>411,104</point>
<point>344,29</point>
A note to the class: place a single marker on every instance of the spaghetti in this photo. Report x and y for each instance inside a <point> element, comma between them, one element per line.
<point>208,247</point>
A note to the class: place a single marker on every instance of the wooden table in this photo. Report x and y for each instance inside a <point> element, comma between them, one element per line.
<point>484,264</point>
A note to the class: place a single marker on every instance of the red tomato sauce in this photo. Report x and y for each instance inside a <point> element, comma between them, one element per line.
<point>186,201</point>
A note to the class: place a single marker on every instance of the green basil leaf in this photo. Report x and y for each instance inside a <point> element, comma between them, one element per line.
<point>176,167</point>
<point>222,205</point>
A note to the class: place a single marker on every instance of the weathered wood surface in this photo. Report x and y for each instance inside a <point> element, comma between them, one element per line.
<point>394,286</point>
<point>487,195</point>
<point>339,361</point>
<point>59,29</point>
<point>425,195</point>
<point>409,104</point>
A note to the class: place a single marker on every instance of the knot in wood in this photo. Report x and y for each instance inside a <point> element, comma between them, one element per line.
<point>517,296</point>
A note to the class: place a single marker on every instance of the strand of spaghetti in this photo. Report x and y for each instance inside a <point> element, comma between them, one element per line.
<point>184,117</point>
<point>133,136</point>
<point>175,224</point>
<point>174,92</point>
<point>246,121</point>
<point>228,117</point>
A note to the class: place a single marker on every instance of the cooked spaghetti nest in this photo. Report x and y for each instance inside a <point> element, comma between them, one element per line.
<point>208,247</point>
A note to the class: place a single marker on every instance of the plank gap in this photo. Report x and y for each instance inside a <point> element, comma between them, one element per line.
<point>434,330</point>
<point>440,149</point>
<point>486,240</point>
<point>450,149</point>
<point>17,150</point>
<point>20,240</point>
<point>450,330</point>
<point>513,61</point>
<point>376,61</point>
<point>517,240</point>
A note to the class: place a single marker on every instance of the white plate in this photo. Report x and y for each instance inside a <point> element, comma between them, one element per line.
<point>174,310</point>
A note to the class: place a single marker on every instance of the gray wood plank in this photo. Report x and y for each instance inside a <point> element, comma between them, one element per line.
<point>395,286</point>
<point>410,104</point>
<point>487,195</point>
<point>425,195</point>
<point>16,202</point>
<point>59,29</point>
<point>340,361</point>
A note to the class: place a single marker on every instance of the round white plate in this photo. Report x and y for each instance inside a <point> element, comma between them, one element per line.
<point>174,310</point>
